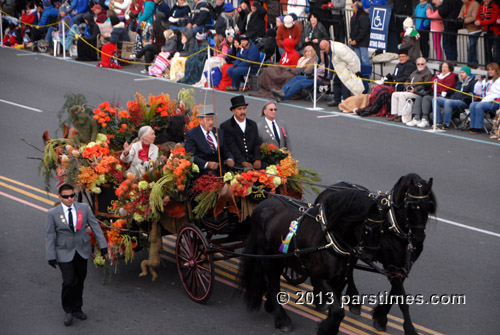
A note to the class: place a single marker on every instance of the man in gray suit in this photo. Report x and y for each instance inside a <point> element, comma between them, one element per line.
<point>67,244</point>
<point>272,130</point>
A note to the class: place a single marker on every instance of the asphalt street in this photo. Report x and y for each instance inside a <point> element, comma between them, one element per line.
<point>460,254</point>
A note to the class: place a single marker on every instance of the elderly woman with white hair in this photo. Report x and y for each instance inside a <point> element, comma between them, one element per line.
<point>141,152</point>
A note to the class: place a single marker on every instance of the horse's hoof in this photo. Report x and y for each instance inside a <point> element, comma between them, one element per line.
<point>378,326</point>
<point>355,309</point>
<point>268,306</point>
<point>287,329</point>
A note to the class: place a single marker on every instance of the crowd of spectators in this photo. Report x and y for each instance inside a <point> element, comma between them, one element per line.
<point>168,40</point>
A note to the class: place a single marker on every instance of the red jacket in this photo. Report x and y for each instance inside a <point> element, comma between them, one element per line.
<point>488,16</point>
<point>448,81</point>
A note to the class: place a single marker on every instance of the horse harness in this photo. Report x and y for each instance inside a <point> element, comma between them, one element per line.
<point>395,227</point>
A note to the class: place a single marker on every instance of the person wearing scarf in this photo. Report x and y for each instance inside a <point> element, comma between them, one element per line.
<point>423,105</point>
<point>490,90</point>
<point>141,152</point>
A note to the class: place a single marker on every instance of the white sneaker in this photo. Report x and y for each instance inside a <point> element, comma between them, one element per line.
<point>423,124</point>
<point>144,71</point>
<point>413,122</point>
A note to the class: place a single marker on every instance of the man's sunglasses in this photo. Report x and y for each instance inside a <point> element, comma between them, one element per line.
<point>67,196</point>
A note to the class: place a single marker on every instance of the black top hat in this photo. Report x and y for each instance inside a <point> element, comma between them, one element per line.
<point>238,101</point>
<point>403,52</point>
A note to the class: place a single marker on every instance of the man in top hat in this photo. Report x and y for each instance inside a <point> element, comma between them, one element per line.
<point>272,130</point>
<point>205,141</point>
<point>242,135</point>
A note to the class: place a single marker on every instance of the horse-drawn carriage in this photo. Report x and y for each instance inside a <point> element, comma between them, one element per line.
<point>214,217</point>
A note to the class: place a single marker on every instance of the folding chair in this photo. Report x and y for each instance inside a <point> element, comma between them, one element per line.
<point>251,70</point>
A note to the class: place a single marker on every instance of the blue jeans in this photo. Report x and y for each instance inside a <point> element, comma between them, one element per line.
<point>450,45</point>
<point>297,84</point>
<point>362,54</point>
<point>477,110</point>
<point>236,74</point>
<point>472,48</point>
<point>449,105</point>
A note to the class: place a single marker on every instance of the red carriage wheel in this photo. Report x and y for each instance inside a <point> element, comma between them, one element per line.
<point>194,263</point>
<point>294,277</point>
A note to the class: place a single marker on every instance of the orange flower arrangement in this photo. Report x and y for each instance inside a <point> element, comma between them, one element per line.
<point>95,151</point>
<point>87,176</point>
<point>104,113</point>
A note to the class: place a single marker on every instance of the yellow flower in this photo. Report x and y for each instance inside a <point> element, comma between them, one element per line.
<point>228,177</point>
<point>143,185</point>
<point>195,168</point>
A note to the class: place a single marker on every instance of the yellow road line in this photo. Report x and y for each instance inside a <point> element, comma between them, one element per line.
<point>29,187</point>
<point>31,195</point>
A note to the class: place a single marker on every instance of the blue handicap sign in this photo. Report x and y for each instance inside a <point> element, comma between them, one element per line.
<point>379,19</point>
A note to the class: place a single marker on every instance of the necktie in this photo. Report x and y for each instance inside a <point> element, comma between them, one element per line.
<point>210,141</point>
<point>70,220</point>
<point>276,135</point>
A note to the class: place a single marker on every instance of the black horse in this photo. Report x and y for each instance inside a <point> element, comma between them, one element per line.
<point>324,244</point>
<point>401,241</point>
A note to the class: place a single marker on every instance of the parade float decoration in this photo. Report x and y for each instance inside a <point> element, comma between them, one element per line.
<point>135,211</point>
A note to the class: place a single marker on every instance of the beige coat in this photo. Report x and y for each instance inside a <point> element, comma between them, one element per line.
<point>470,17</point>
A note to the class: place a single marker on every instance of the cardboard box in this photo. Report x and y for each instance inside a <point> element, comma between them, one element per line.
<point>127,50</point>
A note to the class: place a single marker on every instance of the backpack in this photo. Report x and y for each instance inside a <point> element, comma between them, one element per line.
<point>379,103</point>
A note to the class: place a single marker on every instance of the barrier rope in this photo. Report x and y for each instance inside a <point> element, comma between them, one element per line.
<point>30,24</point>
<point>465,93</point>
<point>78,36</point>
<point>319,65</point>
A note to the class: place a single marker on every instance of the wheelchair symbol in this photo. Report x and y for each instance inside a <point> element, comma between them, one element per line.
<point>378,18</point>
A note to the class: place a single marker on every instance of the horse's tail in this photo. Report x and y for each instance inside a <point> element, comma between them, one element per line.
<point>251,275</point>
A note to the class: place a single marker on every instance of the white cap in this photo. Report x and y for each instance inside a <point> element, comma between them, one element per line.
<point>288,21</point>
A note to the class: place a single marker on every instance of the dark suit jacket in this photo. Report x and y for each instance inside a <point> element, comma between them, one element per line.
<point>267,135</point>
<point>62,243</point>
<point>245,147</point>
<point>197,144</point>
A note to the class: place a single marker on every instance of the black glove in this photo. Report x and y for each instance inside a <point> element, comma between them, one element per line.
<point>53,263</point>
<point>358,74</point>
<point>104,251</point>
<point>389,77</point>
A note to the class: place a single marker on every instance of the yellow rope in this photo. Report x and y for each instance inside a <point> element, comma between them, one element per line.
<point>453,89</point>
<point>29,24</point>
<point>78,36</point>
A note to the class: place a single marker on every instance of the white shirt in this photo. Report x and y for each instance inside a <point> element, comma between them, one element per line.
<point>243,125</point>
<point>66,214</point>
<point>270,125</point>
<point>212,136</point>
<point>300,11</point>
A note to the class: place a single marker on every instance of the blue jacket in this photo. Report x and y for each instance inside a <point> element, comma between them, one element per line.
<point>81,6</point>
<point>251,53</point>
<point>48,12</point>
<point>164,8</point>
<point>147,12</point>
<point>421,24</point>
<point>467,87</point>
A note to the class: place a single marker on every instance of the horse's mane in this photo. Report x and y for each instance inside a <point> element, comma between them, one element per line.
<point>347,207</point>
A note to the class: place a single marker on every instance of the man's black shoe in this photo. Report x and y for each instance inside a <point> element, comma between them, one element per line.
<point>333,103</point>
<point>80,315</point>
<point>68,319</point>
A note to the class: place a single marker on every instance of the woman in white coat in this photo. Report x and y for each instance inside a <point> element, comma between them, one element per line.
<point>141,152</point>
